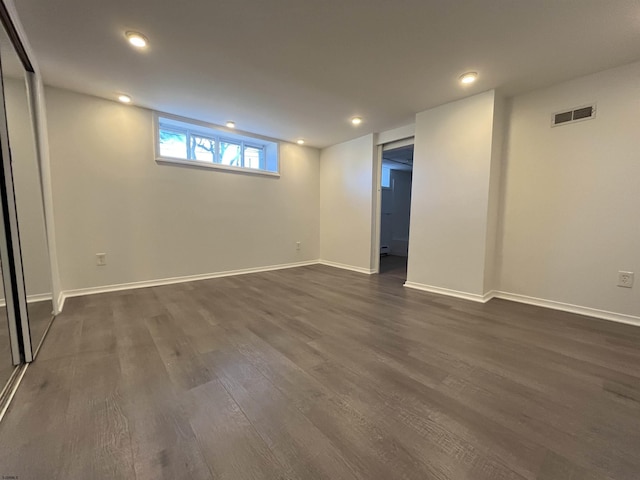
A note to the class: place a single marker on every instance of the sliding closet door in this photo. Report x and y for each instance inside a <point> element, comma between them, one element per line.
<point>29,205</point>
<point>11,345</point>
<point>9,350</point>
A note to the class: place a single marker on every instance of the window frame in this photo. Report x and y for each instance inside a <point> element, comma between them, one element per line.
<point>232,141</point>
<point>174,130</point>
<point>262,158</point>
<point>218,134</point>
<point>191,134</point>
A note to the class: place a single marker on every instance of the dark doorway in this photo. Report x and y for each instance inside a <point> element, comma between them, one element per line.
<point>395,212</point>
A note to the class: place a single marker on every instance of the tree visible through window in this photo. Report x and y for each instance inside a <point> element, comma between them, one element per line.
<point>173,144</point>
<point>202,148</point>
<point>230,154</point>
<point>181,140</point>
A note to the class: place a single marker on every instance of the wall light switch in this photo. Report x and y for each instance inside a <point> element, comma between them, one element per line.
<point>101,259</point>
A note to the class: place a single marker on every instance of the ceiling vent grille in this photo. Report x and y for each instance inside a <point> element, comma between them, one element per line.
<point>578,114</point>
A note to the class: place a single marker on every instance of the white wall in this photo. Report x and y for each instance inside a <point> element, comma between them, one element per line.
<point>160,221</point>
<point>346,203</point>
<point>396,134</point>
<point>450,197</point>
<point>566,218</point>
<point>572,194</point>
<point>28,191</point>
<point>491,272</point>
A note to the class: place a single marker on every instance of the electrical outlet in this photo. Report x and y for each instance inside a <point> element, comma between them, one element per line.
<point>625,279</point>
<point>297,245</point>
<point>101,259</point>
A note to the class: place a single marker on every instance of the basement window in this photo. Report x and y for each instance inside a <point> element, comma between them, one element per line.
<point>190,142</point>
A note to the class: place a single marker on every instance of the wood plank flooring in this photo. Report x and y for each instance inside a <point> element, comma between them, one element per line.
<point>318,373</point>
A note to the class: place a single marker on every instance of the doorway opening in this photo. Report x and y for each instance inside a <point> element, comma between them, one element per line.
<point>395,209</point>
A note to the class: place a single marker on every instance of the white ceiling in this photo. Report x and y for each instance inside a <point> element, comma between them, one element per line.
<point>302,68</point>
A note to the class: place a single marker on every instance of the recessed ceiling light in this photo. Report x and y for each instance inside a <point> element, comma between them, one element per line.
<point>124,98</point>
<point>301,142</point>
<point>469,77</point>
<point>137,39</point>
<point>230,124</point>
<point>356,120</point>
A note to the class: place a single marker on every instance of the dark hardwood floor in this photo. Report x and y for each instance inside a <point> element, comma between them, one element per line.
<point>318,373</point>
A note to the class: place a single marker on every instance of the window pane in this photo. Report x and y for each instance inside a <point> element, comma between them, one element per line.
<point>386,177</point>
<point>230,154</point>
<point>173,144</point>
<point>203,148</point>
<point>253,157</point>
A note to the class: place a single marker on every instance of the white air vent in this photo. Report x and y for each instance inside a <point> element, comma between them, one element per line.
<point>579,114</point>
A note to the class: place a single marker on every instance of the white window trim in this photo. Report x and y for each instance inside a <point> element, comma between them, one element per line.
<point>209,165</point>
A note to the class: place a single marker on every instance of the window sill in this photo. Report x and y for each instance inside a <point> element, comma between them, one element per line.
<point>215,166</point>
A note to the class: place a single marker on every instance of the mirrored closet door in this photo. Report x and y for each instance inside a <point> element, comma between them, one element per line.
<point>26,307</point>
<point>27,184</point>
<point>12,351</point>
<point>6,340</point>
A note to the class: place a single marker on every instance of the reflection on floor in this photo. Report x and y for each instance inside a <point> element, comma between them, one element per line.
<point>6,366</point>
<point>40,314</point>
<point>393,266</point>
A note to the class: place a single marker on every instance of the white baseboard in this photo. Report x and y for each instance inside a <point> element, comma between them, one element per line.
<point>173,280</point>
<point>567,307</point>
<point>40,297</point>
<point>540,302</point>
<point>514,297</point>
<point>450,293</point>
<point>346,267</point>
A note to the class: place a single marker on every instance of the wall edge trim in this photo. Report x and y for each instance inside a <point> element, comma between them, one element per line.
<point>568,307</point>
<point>173,280</point>
<point>40,297</point>
<point>539,302</point>
<point>344,266</point>
<point>474,297</point>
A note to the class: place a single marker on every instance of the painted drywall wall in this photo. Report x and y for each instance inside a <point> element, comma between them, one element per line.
<point>396,134</point>
<point>28,191</point>
<point>159,221</point>
<point>491,270</point>
<point>346,205</point>
<point>450,196</point>
<point>571,194</point>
